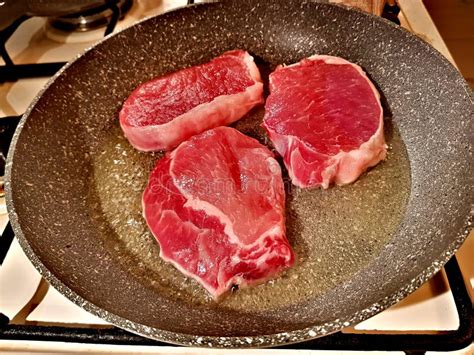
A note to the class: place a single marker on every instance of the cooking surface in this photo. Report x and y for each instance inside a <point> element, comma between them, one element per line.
<point>410,248</point>
<point>65,305</point>
<point>344,220</point>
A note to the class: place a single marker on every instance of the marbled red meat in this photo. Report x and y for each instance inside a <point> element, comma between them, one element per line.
<point>216,205</point>
<point>166,111</point>
<point>325,119</point>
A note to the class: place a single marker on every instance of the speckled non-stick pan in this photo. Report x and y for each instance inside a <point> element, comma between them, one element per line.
<point>74,183</point>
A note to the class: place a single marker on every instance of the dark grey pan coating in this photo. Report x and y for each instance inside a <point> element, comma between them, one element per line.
<point>74,183</point>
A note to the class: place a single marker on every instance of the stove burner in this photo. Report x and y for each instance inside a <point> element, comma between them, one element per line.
<point>93,18</point>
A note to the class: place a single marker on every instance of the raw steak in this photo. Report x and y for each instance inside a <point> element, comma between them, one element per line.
<point>325,119</point>
<point>166,111</point>
<point>216,206</point>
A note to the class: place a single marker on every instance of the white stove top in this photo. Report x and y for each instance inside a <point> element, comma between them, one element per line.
<point>430,308</point>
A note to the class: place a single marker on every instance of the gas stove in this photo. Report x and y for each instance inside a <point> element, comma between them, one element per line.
<point>33,315</point>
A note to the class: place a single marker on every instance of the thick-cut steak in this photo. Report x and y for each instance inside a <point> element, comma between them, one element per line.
<point>216,205</point>
<point>166,111</point>
<point>324,117</point>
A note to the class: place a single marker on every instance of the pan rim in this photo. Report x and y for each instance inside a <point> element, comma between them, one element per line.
<point>276,339</point>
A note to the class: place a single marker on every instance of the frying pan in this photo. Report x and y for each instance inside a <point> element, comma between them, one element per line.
<point>74,184</point>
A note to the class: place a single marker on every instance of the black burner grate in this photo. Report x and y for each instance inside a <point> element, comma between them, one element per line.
<point>11,72</point>
<point>14,72</point>
<point>410,343</point>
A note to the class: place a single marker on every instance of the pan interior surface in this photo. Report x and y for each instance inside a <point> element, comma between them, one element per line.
<point>334,232</point>
<point>75,184</point>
